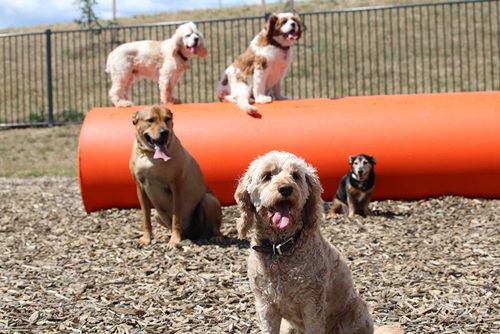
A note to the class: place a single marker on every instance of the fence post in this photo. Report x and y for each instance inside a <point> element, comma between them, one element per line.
<point>49,77</point>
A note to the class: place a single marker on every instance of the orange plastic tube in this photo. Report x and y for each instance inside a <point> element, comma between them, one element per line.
<point>426,145</point>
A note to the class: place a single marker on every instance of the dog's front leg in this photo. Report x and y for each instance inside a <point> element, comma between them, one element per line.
<point>314,317</point>
<point>259,87</point>
<point>277,92</point>
<point>269,317</point>
<point>351,204</point>
<point>178,199</point>
<point>166,85</point>
<point>243,97</point>
<point>146,216</point>
<point>366,209</point>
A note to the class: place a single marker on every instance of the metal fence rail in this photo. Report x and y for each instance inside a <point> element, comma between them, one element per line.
<point>55,77</point>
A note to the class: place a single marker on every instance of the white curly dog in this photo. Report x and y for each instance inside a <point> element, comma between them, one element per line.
<point>163,61</point>
<point>301,282</point>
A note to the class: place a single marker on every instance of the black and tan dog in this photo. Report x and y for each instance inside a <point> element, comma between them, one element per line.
<point>356,187</point>
<point>169,177</point>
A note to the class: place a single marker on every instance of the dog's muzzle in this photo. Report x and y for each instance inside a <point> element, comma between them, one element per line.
<point>162,140</point>
<point>194,47</point>
<point>159,145</point>
<point>293,33</point>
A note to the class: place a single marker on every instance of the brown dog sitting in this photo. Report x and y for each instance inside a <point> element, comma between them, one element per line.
<point>169,177</point>
<point>356,187</point>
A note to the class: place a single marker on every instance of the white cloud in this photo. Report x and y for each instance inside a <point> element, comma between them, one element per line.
<point>20,13</point>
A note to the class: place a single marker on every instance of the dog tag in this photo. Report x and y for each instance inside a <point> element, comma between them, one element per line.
<point>274,265</point>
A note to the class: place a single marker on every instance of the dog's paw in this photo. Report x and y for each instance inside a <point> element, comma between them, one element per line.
<point>249,109</point>
<point>145,240</point>
<point>281,97</point>
<point>263,99</point>
<point>219,238</point>
<point>124,104</point>
<point>174,100</point>
<point>174,242</point>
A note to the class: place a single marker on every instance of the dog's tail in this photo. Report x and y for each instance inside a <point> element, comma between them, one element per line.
<point>109,61</point>
<point>223,88</point>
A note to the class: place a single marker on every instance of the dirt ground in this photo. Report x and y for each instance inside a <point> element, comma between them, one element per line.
<point>432,266</point>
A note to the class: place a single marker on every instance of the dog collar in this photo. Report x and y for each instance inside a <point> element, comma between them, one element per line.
<point>363,185</point>
<point>284,48</point>
<point>279,248</point>
<point>182,56</point>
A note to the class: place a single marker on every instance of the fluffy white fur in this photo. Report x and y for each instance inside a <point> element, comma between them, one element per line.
<point>256,74</point>
<point>162,61</point>
<point>309,287</point>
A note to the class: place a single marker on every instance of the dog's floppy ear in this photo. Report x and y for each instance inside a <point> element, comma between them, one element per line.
<point>246,207</point>
<point>269,27</point>
<point>298,21</point>
<point>178,42</point>
<point>313,209</point>
<point>178,37</point>
<point>372,160</point>
<point>351,159</point>
<point>135,118</point>
<point>202,46</point>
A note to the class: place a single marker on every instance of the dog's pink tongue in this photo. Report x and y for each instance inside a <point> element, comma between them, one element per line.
<point>193,49</point>
<point>161,153</point>
<point>281,218</point>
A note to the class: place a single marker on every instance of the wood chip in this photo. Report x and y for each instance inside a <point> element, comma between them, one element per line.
<point>430,265</point>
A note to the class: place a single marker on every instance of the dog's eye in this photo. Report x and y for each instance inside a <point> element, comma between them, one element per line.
<point>167,119</point>
<point>150,120</point>
<point>266,177</point>
<point>296,176</point>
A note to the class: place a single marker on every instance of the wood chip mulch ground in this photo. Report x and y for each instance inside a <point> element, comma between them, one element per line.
<point>432,266</point>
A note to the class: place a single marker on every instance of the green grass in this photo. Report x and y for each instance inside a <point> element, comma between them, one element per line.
<point>36,152</point>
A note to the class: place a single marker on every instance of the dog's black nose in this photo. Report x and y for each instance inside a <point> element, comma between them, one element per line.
<point>164,134</point>
<point>196,40</point>
<point>285,189</point>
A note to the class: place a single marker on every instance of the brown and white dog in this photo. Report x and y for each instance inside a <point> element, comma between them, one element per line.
<point>356,187</point>
<point>256,74</point>
<point>163,61</point>
<point>168,176</point>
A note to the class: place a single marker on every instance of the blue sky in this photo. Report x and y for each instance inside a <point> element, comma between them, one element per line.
<point>22,13</point>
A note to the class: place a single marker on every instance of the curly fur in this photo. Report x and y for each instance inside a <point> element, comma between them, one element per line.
<point>163,61</point>
<point>312,291</point>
